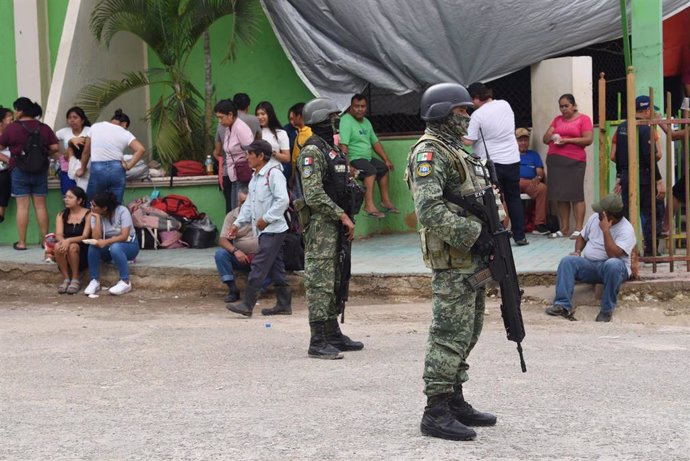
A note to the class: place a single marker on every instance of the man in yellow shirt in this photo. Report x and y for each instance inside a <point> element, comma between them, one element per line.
<point>303,133</point>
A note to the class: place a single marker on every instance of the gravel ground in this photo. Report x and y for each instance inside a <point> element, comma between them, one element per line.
<point>164,376</point>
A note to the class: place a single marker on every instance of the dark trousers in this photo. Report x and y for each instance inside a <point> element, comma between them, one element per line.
<point>268,260</point>
<point>509,183</point>
<point>227,194</point>
<point>645,197</point>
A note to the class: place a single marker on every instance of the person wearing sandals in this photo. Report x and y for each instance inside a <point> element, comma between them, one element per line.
<point>566,161</point>
<point>72,226</point>
<point>358,141</point>
<point>113,240</point>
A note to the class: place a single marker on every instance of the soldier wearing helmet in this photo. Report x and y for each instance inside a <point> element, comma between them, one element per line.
<point>454,245</point>
<point>324,175</point>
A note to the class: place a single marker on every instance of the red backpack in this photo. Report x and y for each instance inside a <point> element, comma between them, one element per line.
<point>177,205</point>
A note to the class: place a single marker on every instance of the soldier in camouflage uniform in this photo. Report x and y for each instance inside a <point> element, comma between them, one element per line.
<point>323,172</point>
<point>454,245</point>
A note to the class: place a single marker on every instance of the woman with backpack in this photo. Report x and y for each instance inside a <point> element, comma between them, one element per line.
<point>31,143</point>
<point>112,239</point>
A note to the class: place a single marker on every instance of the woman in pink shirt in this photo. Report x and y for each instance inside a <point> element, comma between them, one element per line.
<point>566,161</point>
<point>237,134</point>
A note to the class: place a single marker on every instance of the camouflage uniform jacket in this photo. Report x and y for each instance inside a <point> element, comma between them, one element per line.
<point>312,167</point>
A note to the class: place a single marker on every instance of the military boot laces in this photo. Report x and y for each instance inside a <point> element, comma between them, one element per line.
<point>438,421</point>
<point>319,348</point>
<point>337,339</point>
<point>463,412</point>
<point>246,306</point>
<point>283,302</point>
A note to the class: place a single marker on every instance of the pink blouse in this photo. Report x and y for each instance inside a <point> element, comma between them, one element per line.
<point>570,129</point>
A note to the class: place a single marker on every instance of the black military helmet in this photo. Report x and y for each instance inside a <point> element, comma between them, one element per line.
<point>318,110</point>
<point>439,100</point>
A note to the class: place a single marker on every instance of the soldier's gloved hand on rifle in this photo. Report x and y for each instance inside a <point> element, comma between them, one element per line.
<point>484,245</point>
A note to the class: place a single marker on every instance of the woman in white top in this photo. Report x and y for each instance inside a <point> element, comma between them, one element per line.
<point>72,140</point>
<point>272,131</point>
<point>106,149</point>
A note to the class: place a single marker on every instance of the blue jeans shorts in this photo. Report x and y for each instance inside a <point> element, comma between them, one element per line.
<point>25,184</point>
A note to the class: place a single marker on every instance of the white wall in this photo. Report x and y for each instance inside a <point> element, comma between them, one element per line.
<point>550,79</point>
<point>81,60</point>
<point>31,49</point>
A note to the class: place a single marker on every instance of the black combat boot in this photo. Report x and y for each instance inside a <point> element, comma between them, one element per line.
<point>283,302</point>
<point>463,412</point>
<point>233,293</point>
<point>246,306</point>
<point>439,422</point>
<point>319,348</point>
<point>337,339</point>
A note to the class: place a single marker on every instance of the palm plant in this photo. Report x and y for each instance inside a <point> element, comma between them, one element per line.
<point>171,29</point>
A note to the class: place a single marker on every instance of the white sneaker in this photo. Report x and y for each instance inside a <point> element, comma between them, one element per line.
<point>92,288</point>
<point>120,288</point>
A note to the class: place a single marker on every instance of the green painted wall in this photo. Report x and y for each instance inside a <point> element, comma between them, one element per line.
<point>57,9</point>
<point>8,60</point>
<point>262,71</point>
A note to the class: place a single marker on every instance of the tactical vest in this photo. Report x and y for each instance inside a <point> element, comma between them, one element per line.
<point>436,252</point>
<point>335,179</point>
<point>644,151</point>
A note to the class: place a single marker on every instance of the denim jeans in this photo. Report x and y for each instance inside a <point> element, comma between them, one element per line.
<point>227,264</point>
<point>119,253</point>
<point>612,273</point>
<point>509,182</point>
<point>107,176</point>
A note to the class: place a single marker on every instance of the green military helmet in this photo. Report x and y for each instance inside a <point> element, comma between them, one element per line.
<point>319,110</point>
<point>439,100</point>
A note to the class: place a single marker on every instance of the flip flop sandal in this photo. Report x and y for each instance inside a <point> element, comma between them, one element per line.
<point>73,287</point>
<point>556,235</point>
<point>376,214</point>
<point>390,210</point>
<point>62,289</point>
<point>575,235</point>
<point>16,246</point>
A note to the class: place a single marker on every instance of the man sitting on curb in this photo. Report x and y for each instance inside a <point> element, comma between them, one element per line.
<point>602,255</point>
<point>235,254</point>
<point>532,180</point>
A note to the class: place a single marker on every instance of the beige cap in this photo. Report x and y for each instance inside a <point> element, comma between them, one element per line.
<point>520,132</point>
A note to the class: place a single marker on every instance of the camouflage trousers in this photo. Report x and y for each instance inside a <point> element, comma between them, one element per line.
<point>458,316</point>
<point>321,276</point>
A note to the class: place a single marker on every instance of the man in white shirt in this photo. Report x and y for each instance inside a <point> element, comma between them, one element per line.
<point>602,255</point>
<point>265,209</point>
<point>492,128</point>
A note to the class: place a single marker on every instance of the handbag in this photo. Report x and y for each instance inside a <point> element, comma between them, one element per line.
<point>243,172</point>
<point>200,233</point>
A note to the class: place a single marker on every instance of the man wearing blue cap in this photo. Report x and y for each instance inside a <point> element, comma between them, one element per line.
<point>619,155</point>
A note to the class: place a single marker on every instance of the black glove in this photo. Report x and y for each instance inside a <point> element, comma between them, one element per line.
<point>484,245</point>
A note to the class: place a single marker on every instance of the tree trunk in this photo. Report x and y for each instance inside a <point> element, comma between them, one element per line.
<point>208,96</point>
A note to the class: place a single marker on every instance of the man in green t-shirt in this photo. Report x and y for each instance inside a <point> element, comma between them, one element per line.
<point>358,141</point>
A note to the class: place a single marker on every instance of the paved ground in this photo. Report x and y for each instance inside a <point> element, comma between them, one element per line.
<point>172,376</point>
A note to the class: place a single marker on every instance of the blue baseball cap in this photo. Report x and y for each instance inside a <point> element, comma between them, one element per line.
<point>642,103</point>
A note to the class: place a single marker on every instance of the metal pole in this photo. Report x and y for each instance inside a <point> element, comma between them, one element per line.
<point>626,35</point>
<point>686,173</point>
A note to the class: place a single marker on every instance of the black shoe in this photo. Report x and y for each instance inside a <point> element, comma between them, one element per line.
<point>336,338</point>
<point>557,311</point>
<point>319,348</point>
<point>245,307</point>
<point>283,302</point>
<point>541,229</point>
<point>604,316</point>
<point>522,242</point>
<point>232,296</point>
<point>438,421</point>
<point>463,412</point>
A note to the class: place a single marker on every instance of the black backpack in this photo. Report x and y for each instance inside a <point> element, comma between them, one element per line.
<point>33,158</point>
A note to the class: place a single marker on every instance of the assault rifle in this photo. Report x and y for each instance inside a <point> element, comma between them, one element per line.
<point>354,198</point>
<point>482,204</point>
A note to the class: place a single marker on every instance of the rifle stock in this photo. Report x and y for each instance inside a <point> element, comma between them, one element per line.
<point>501,264</point>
